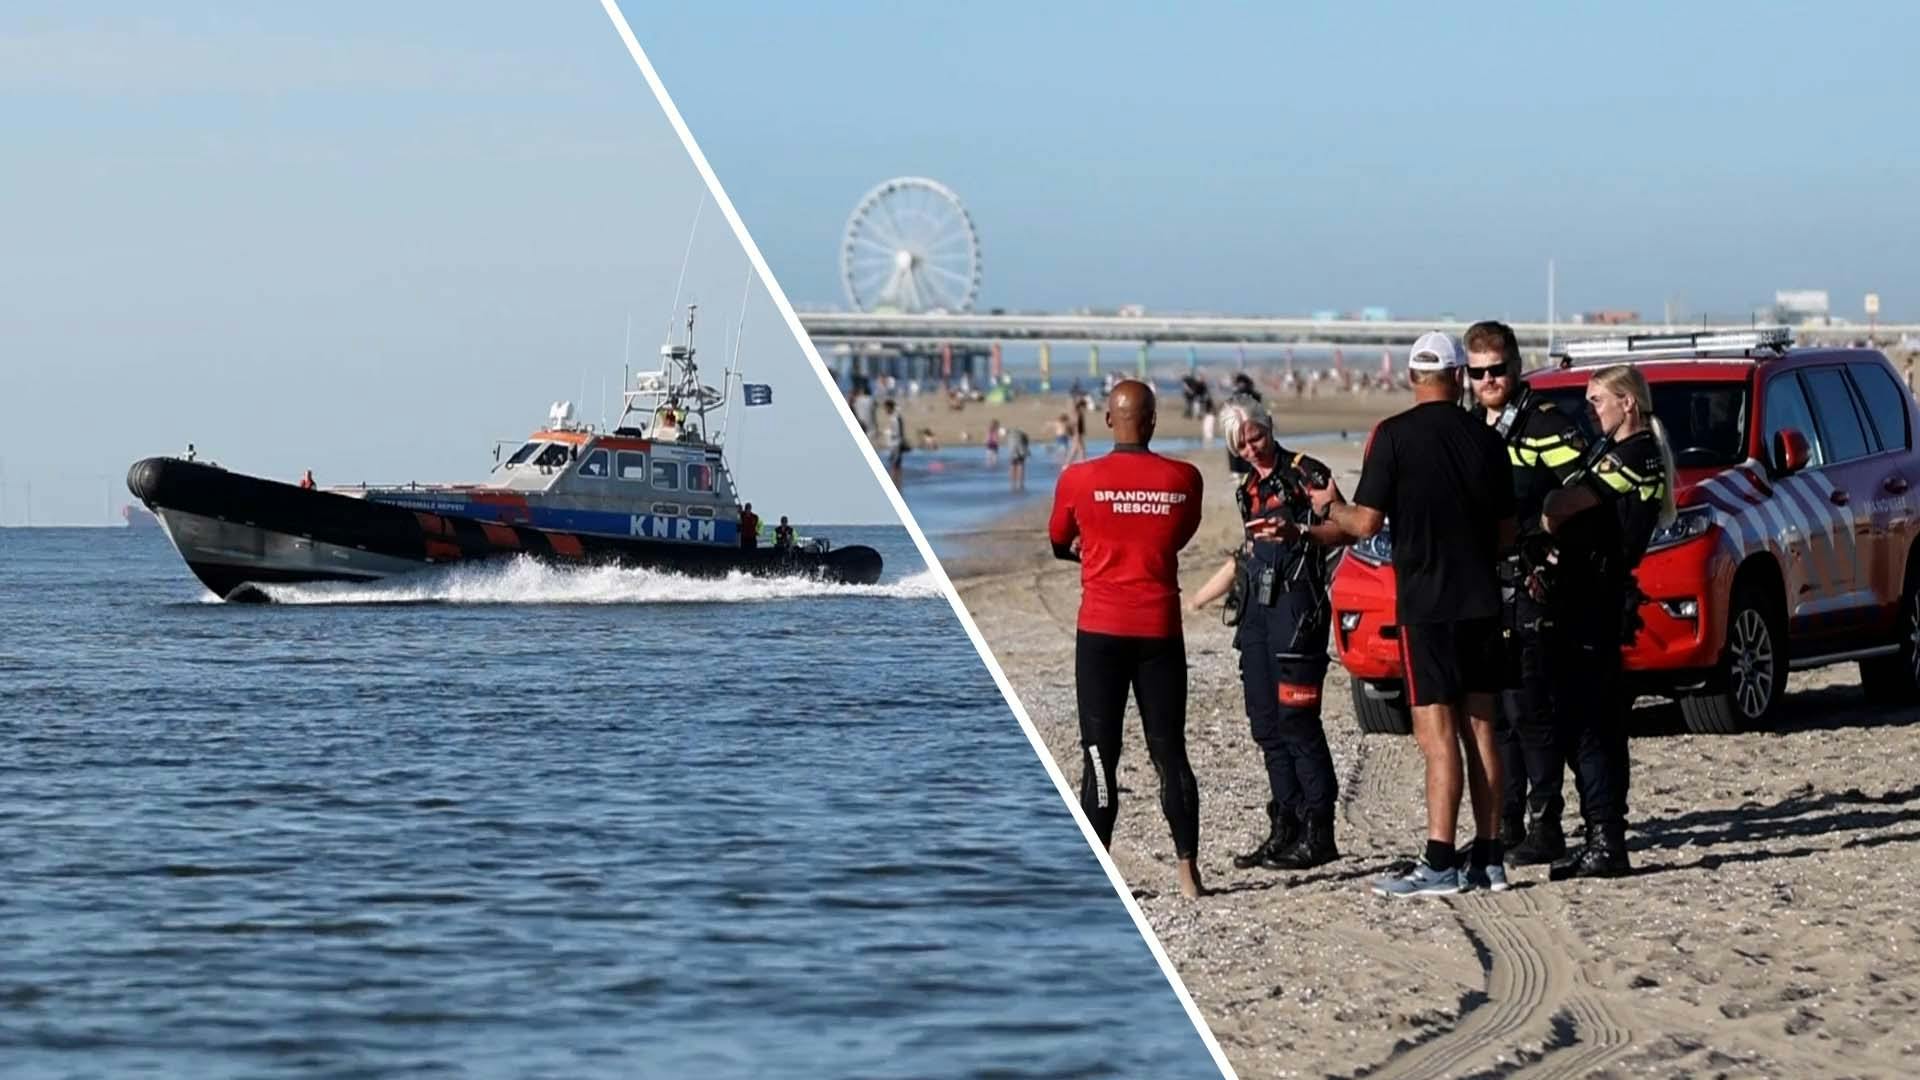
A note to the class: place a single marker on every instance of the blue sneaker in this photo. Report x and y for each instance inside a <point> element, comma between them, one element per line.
<point>1492,877</point>
<point>1422,880</point>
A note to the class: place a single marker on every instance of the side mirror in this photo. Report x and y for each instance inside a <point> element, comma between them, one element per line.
<point>1790,451</point>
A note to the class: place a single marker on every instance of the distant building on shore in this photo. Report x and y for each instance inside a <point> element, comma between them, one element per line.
<point>1798,307</point>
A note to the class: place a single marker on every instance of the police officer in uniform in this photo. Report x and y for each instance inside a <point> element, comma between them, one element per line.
<point>1602,522</point>
<point>1544,447</point>
<point>1277,588</point>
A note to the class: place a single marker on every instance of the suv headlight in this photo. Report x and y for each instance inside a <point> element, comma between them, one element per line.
<point>1689,523</point>
<point>1377,549</point>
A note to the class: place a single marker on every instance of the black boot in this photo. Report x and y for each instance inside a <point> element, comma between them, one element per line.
<point>1604,855</point>
<point>1544,843</point>
<point>1284,830</point>
<point>1314,846</point>
<point>1513,830</point>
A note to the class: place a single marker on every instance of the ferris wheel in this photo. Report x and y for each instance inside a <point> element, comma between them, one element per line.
<point>910,247</point>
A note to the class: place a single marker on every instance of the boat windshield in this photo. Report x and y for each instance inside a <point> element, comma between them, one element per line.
<point>521,455</point>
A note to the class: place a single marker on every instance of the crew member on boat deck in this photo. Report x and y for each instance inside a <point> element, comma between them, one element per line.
<point>667,428</point>
<point>306,480</point>
<point>749,528</point>
<point>783,536</point>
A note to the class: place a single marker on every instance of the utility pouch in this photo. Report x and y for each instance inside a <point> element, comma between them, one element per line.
<point>1234,607</point>
<point>1266,585</point>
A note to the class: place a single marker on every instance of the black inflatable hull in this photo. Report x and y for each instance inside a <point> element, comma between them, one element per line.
<point>239,532</point>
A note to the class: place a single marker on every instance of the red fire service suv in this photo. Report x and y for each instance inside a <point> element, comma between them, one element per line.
<point>1797,542</point>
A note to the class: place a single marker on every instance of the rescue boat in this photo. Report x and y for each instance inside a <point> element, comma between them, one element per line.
<point>653,492</point>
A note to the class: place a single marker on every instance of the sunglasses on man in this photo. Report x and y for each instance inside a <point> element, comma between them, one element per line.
<point>1496,371</point>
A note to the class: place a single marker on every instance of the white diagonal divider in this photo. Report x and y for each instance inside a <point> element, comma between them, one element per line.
<point>825,376</point>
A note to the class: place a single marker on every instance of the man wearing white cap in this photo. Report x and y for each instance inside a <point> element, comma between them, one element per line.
<point>1442,477</point>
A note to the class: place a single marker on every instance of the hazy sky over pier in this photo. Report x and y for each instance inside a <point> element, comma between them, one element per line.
<point>1282,158</point>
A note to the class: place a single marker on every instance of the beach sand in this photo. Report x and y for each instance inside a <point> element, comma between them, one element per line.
<point>1035,413</point>
<point>1771,929</point>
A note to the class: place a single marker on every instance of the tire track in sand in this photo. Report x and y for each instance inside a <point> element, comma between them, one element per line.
<point>1380,772</point>
<point>1524,987</point>
<point>1539,1017</point>
<point>1599,1036</point>
<point>1600,1032</point>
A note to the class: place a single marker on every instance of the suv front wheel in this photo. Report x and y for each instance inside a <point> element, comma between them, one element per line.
<point>1381,709</point>
<point>1752,674</point>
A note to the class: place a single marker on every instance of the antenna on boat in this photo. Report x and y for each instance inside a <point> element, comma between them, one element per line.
<point>685,258</point>
<point>626,368</point>
<point>733,361</point>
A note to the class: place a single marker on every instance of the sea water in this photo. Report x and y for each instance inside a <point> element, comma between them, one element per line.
<point>521,821</point>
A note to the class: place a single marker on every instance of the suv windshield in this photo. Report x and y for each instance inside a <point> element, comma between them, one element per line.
<point>1706,421</point>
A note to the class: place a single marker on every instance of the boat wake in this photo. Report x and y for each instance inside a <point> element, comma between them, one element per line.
<point>529,581</point>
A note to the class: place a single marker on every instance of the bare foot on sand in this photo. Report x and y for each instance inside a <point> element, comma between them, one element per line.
<point>1190,886</point>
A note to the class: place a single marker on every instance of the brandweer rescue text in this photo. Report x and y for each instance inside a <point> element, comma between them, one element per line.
<point>1140,502</point>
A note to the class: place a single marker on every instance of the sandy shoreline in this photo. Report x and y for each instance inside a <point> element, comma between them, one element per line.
<point>1770,930</point>
<point>1035,413</point>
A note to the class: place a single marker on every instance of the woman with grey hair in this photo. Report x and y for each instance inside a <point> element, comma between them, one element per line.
<point>1278,584</point>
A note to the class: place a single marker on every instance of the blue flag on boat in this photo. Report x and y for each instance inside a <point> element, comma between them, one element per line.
<point>758,393</point>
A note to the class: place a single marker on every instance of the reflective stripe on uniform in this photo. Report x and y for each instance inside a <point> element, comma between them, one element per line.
<point>1553,451</point>
<point>1627,482</point>
<point>1555,456</point>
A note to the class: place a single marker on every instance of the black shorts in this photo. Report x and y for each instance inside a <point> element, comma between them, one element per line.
<point>1447,661</point>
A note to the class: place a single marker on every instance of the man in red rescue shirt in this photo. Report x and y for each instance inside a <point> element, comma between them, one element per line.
<point>1124,517</point>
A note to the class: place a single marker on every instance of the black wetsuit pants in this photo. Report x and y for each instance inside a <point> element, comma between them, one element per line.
<point>1155,669</point>
<point>1590,706</point>
<point>1283,666</point>
<point>1533,763</point>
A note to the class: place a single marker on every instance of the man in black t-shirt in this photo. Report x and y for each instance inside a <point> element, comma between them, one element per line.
<point>1441,476</point>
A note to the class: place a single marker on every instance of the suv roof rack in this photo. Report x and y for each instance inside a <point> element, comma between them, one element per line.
<point>1770,339</point>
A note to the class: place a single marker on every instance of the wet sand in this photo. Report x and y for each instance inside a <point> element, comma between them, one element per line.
<point>1770,930</point>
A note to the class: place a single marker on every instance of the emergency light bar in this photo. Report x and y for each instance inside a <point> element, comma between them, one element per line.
<point>1646,346</point>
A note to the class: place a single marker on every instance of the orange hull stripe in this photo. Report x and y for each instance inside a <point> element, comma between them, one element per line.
<point>500,536</point>
<point>566,544</point>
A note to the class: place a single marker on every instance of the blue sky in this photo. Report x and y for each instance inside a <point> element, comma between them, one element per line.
<point>1282,158</point>
<point>363,238</point>
<point>370,238</point>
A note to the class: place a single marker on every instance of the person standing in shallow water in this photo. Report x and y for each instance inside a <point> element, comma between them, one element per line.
<point>1018,450</point>
<point>1124,518</point>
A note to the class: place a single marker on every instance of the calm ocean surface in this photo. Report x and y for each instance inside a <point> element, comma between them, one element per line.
<point>524,822</point>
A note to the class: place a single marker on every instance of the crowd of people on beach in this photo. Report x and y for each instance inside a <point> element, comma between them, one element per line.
<point>1514,543</point>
